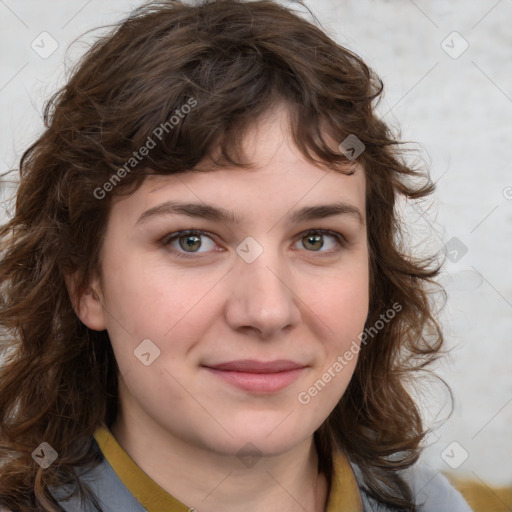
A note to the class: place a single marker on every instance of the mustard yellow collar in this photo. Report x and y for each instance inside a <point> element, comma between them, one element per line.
<point>344,496</point>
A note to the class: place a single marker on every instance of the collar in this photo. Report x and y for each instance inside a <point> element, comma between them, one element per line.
<point>344,495</point>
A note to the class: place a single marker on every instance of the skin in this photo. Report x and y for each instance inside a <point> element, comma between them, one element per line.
<point>292,302</point>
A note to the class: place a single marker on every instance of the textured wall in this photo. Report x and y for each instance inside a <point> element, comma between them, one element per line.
<point>447,71</point>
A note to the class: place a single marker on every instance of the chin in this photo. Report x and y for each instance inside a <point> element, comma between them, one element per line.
<point>261,439</point>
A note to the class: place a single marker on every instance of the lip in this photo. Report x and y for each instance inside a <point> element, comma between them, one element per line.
<point>258,376</point>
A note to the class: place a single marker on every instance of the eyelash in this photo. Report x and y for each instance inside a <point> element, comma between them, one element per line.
<point>168,239</point>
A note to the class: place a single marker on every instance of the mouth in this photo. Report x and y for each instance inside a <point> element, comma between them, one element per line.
<point>258,376</point>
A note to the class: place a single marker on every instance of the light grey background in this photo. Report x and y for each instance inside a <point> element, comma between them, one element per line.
<point>458,107</point>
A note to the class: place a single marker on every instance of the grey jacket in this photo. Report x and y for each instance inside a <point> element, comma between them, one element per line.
<point>433,492</point>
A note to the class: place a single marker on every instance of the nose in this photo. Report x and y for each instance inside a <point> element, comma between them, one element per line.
<point>262,298</point>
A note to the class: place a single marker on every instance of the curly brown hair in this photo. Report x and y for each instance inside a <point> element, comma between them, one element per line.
<point>236,59</point>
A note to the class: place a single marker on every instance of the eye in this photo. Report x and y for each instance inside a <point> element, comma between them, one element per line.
<point>189,242</point>
<point>315,240</point>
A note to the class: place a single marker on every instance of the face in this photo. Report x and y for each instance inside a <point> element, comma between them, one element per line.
<point>232,297</point>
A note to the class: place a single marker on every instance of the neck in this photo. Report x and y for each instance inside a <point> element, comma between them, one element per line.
<point>289,482</point>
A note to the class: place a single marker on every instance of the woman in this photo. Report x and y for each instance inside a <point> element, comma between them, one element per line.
<point>205,298</point>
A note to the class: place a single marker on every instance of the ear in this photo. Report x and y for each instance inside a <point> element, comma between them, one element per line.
<point>88,305</point>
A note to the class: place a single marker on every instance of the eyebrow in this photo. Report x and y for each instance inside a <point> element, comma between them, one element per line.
<point>209,212</point>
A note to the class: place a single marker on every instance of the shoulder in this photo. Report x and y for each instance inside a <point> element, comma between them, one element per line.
<point>104,487</point>
<point>107,489</point>
<point>431,489</point>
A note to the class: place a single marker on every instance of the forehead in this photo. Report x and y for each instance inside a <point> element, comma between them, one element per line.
<point>279,178</point>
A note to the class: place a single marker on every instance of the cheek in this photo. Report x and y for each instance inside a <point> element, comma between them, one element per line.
<point>150,299</point>
<point>172,309</point>
<point>167,308</point>
<point>342,310</point>
<point>341,300</point>
<point>342,305</point>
